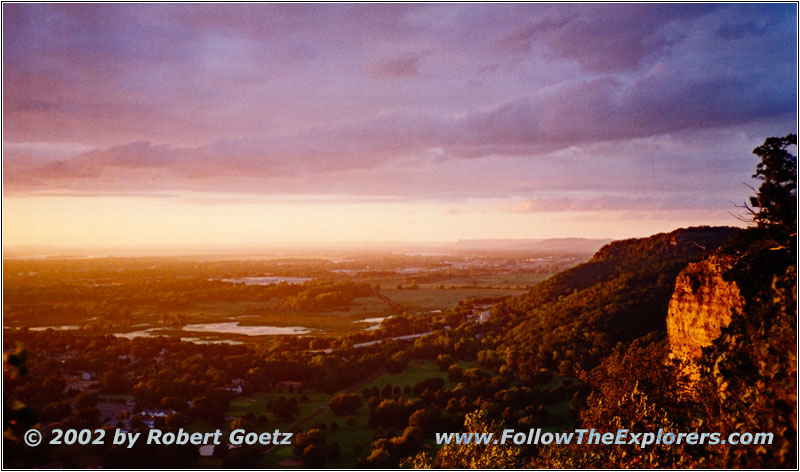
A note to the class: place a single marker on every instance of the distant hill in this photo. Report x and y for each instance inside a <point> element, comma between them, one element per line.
<point>553,245</point>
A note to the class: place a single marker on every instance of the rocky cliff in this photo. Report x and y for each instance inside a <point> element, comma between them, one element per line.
<point>701,306</point>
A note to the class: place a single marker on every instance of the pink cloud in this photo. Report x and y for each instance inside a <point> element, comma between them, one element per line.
<point>397,68</point>
<point>608,202</point>
<point>284,99</point>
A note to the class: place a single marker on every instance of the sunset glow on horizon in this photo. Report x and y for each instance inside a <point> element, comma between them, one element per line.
<point>169,124</point>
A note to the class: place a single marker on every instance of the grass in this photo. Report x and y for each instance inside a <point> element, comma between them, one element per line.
<point>563,420</point>
<point>498,280</point>
<point>428,299</point>
<point>257,404</point>
<point>261,314</point>
<point>331,322</point>
<point>416,372</point>
<point>257,313</point>
<point>557,380</point>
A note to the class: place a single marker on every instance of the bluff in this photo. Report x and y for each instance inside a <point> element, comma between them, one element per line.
<point>577,317</point>
<point>701,305</point>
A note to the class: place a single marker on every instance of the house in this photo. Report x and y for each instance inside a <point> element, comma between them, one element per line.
<point>149,416</point>
<point>235,386</point>
<point>81,383</point>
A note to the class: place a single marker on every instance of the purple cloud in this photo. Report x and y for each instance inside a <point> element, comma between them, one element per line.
<point>293,98</point>
<point>397,68</point>
<point>610,202</point>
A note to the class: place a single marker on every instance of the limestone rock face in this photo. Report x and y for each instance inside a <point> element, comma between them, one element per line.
<point>701,306</point>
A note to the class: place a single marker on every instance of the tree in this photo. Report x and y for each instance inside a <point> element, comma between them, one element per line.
<point>379,459</point>
<point>335,450</point>
<point>398,362</point>
<point>314,455</point>
<point>114,382</point>
<point>304,439</point>
<point>85,400</point>
<point>177,419</point>
<point>241,423</point>
<point>284,408</point>
<point>472,456</point>
<point>424,419</point>
<point>345,404</point>
<point>776,198</point>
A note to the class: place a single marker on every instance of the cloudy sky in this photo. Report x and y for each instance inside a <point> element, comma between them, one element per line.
<point>219,124</point>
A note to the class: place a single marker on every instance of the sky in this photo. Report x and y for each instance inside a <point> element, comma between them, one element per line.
<point>164,124</point>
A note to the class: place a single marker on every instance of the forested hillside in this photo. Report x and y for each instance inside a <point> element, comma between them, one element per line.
<point>571,321</point>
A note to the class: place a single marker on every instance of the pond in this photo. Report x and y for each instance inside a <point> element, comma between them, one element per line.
<point>377,322</point>
<point>235,328</point>
<point>57,328</point>
<point>142,333</point>
<point>211,341</point>
<point>266,280</point>
<point>231,328</point>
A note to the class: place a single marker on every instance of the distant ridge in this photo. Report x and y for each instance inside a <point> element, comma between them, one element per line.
<point>560,245</point>
<point>553,245</point>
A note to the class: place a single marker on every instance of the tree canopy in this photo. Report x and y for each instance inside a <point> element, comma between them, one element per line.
<point>776,198</point>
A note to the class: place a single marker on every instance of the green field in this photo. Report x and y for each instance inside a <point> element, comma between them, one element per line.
<point>257,404</point>
<point>328,322</point>
<point>335,322</point>
<point>359,434</point>
<point>425,299</point>
<point>346,436</point>
<point>268,314</point>
<point>416,372</point>
<point>498,280</point>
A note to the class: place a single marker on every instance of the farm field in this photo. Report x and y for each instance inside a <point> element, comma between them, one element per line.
<point>177,298</point>
<point>427,299</point>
